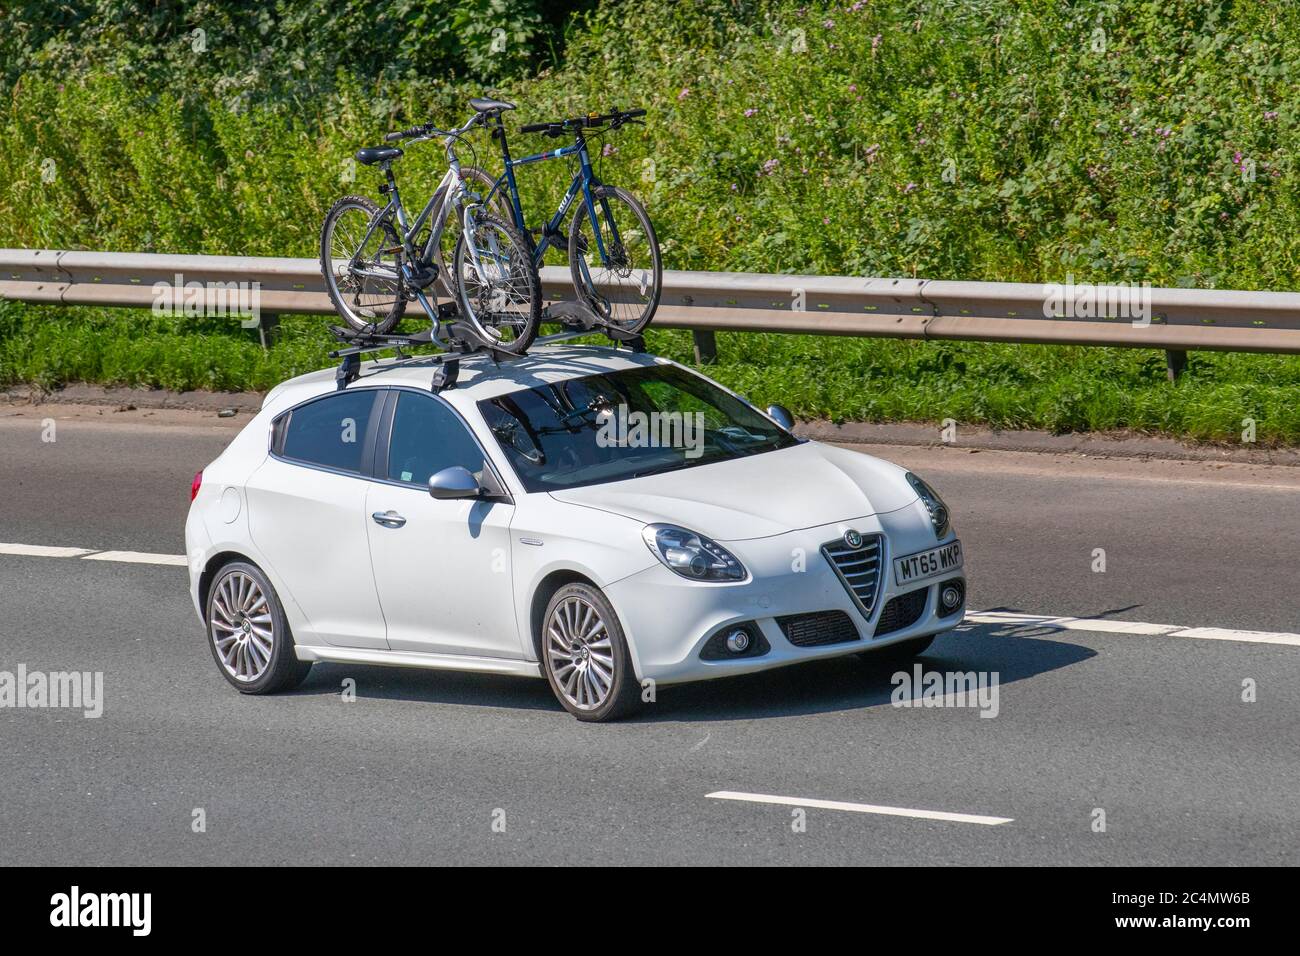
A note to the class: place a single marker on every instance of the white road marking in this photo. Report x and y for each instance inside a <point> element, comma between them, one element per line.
<point>1071,623</point>
<point>1228,634</point>
<point>138,557</point>
<point>859,808</point>
<point>90,554</point>
<point>42,551</point>
<point>1101,625</point>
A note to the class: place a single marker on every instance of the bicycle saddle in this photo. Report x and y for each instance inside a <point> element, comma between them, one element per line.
<point>485,105</point>
<point>377,154</point>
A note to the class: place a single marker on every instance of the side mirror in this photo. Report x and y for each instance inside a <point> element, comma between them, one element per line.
<point>781,415</point>
<point>454,482</point>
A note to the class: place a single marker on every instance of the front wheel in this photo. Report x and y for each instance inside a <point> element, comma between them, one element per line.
<point>585,655</point>
<point>479,184</point>
<point>497,285</point>
<point>619,277</point>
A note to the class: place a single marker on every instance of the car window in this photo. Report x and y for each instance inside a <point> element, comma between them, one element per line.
<point>427,437</point>
<point>331,431</point>
<point>624,424</point>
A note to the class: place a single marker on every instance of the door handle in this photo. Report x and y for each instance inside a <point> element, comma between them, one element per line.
<point>389,519</point>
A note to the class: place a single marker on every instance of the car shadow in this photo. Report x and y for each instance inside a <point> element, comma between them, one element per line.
<point>854,683</point>
<point>817,687</point>
<point>376,682</point>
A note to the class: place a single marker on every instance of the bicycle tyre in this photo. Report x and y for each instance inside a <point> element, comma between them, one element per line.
<point>644,303</point>
<point>389,303</point>
<point>527,283</point>
<point>482,182</point>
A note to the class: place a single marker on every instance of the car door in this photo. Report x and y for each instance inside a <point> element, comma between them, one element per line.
<point>442,568</point>
<point>307,514</point>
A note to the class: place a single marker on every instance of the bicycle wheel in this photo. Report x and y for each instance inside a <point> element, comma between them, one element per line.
<point>497,285</point>
<point>364,284</point>
<point>476,181</point>
<point>621,278</point>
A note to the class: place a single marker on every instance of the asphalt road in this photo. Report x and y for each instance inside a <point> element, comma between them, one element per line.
<point>1151,729</point>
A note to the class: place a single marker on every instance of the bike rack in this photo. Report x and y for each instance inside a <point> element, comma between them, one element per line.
<point>579,320</point>
<point>576,319</point>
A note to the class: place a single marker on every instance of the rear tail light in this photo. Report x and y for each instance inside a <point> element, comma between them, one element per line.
<point>196,484</point>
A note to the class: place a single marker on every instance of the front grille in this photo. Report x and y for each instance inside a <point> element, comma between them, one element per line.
<point>858,568</point>
<point>902,611</point>
<point>819,629</point>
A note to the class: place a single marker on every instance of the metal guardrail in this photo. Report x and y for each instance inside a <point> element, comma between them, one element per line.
<point>708,302</point>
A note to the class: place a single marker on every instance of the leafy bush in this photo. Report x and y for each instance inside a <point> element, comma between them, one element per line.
<point>242,52</point>
<point>976,139</point>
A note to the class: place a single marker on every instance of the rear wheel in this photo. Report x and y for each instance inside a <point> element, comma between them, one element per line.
<point>585,655</point>
<point>362,273</point>
<point>621,277</point>
<point>248,634</point>
<point>497,286</point>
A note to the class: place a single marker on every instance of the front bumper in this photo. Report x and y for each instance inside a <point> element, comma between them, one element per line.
<point>669,619</point>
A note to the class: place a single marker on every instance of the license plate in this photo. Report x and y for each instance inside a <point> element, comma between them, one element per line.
<point>927,564</point>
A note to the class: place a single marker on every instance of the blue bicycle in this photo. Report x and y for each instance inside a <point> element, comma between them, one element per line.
<point>611,246</point>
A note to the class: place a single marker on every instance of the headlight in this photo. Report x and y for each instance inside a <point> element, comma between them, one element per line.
<point>933,504</point>
<point>692,555</point>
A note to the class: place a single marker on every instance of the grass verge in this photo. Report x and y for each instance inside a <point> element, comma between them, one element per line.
<point>842,379</point>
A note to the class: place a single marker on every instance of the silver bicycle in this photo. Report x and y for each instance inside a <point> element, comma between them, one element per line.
<point>376,259</point>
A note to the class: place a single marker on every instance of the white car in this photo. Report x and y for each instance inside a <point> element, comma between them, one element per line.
<point>606,519</point>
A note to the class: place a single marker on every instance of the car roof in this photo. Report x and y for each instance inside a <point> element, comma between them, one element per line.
<point>479,376</point>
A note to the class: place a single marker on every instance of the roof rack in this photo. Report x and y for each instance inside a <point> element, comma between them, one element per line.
<point>576,319</point>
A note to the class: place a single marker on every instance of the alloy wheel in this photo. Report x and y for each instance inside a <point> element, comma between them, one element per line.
<point>581,653</point>
<point>242,628</point>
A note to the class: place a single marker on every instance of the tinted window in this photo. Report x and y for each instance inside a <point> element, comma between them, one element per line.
<point>330,432</point>
<point>624,424</point>
<point>427,437</point>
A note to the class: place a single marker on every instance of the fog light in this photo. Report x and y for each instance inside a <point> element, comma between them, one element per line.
<point>738,641</point>
<point>951,597</point>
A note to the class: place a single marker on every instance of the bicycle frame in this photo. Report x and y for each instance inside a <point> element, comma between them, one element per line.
<point>449,194</point>
<point>583,181</point>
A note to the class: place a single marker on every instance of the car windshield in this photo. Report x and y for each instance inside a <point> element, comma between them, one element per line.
<point>625,424</point>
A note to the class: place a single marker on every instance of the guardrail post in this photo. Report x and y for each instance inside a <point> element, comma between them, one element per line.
<point>268,330</point>
<point>706,347</point>
<point>1175,363</point>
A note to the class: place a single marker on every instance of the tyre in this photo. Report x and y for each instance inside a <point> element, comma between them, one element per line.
<point>585,656</point>
<point>902,651</point>
<point>500,297</point>
<point>248,634</point>
<point>623,285</point>
<point>476,181</point>
<point>367,303</point>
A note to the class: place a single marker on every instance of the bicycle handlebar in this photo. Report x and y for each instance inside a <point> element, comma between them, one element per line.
<point>406,134</point>
<point>614,119</point>
<point>429,130</point>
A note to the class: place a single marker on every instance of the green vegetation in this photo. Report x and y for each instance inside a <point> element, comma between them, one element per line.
<point>978,139</point>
